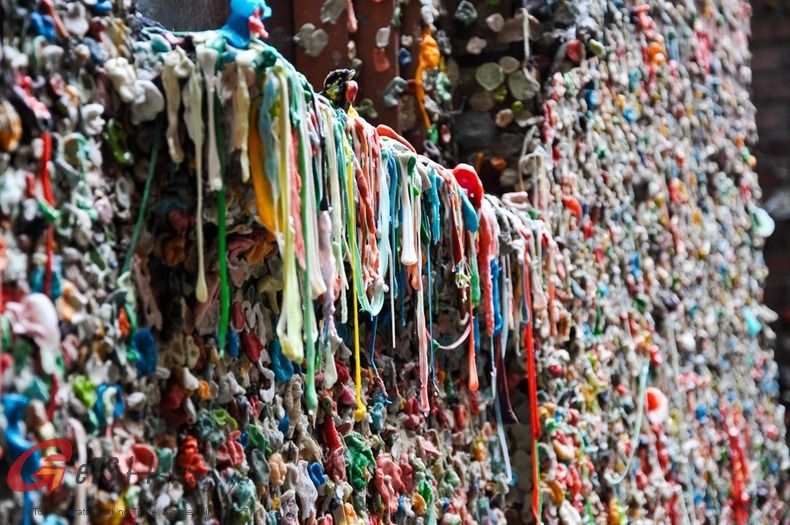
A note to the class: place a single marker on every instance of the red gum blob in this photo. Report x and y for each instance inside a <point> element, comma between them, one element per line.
<point>388,481</point>
<point>467,178</point>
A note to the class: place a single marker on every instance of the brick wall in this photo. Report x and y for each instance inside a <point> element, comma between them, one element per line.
<point>771,95</point>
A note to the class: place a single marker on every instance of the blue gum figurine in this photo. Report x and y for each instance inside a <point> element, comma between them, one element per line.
<point>245,21</point>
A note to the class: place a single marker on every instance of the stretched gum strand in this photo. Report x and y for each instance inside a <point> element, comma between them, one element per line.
<point>360,410</point>
<point>173,95</point>
<point>207,57</point>
<point>315,281</point>
<point>530,347</point>
<point>372,353</point>
<point>342,249</point>
<point>551,288</point>
<point>498,414</point>
<point>289,325</point>
<point>193,118</point>
<point>430,313</point>
<point>138,227</point>
<point>640,406</point>
<point>415,271</point>
<point>422,331</point>
<point>384,221</point>
<point>46,186</point>
<point>309,222</point>
<point>368,222</point>
<point>385,131</point>
<point>354,171</point>
<point>79,437</point>
<point>436,225</point>
<point>484,258</point>
<point>295,200</point>
<point>264,199</point>
<point>429,59</point>
<point>408,255</point>
<point>474,383</point>
<point>369,173</point>
<point>265,132</point>
<point>394,184</point>
<point>336,210</point>
<point>241,112</point>
<point>329,272</point>
<point>456,226</point>
<point>532,379</point>
<point>505,277</point>
<point>222,248</point>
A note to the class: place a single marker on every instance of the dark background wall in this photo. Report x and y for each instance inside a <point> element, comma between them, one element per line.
<point>771,94</point>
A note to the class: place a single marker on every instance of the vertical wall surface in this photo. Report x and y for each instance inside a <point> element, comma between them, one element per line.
<point>770,44</point>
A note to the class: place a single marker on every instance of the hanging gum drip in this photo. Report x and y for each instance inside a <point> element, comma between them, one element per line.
<point>360,410</point>
<point>314,284</point>
<point>471,361</point>
<point>289,326</point>
<point>530,366</point>
<point>224,297</point>
<point>263,155</point>
<point>193,118</point>
<point>428,61</point>
<point>49,198</point>
<point>207,58</point>
<point>173,71</point>
<point>241,111</point>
